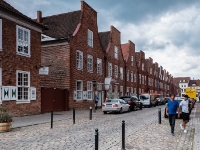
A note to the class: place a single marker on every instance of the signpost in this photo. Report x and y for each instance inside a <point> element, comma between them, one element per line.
<point>191,92</point>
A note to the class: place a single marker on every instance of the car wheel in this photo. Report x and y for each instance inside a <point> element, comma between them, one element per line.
<point>140,107</point>
<point>105,112</point>
<point>129,109</point>
<point>120,111</point>
<point>150,105</point>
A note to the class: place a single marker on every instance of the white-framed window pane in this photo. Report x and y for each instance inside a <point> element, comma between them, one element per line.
<point>0,34</point>
<point>79,59</point>
<point>90,38</point>
<point>99,66</point>
<point>109,69</point>
<point>127,75</point>
<point>131,60</point>
<point>134,77</point>
<point>23,83</point>
<point>23,41</point>
<point>116,52</point>
<point>90,63</point>
<point>131,76</point>
<point>79,95</point>
<point>121,73</point>
<point>116,71</point>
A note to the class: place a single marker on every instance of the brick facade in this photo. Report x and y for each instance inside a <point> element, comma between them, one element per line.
<point>11,62</point>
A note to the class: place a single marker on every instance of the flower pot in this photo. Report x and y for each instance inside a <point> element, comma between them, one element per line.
<point>5,126</point>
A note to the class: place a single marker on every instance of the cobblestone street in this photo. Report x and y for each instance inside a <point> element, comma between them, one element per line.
<point>142,132</point>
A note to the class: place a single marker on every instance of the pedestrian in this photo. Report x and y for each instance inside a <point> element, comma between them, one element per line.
<point>106,99</point>
<point>171,111</point>
<point>185,108</point>
<point>96,99</point>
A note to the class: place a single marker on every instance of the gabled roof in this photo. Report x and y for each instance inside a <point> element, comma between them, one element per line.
<point>62,25</point>
<point>7,7</point>
<point>105,39</point>
<point>194,83</point>
<point>178,79</point>
<point>125,51</point>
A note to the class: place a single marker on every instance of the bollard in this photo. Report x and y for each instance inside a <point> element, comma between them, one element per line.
<point>90,113</point>
<point>123,135</point>
<point>73,115</point>
<point>96,139</point>
<point>159,115</point>
<point>52,120</point>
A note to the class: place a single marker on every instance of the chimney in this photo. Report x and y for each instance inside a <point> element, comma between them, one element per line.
<point>39,16</point>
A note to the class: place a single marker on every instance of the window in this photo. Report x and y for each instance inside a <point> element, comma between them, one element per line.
<point>134,90</point>
<point>79,60</point>
<point>139,90</point>
<point>131,60</point>
<point>23,84</point>
<point>150,70</point>
<point>140,78</point>
<point>127,75</point>
<point>79,89</point>
<point>143,66</point>
<point>121,73</point>
<point>99,66</point>
<point>90,38</point>
<point>90,63</point>
<point>145,80</point>
<point>116,52</point>
<point>116,71</point>
<point>99,86</point>
<point>89,89</point>
<point>23,41</point>
<point>127,89</point>
<point>131,76</point>
<point>134,77</point>
<point>180,80</point>
<point>109,69</point>
<point>131,90</point>
<point>116,89</point>
<point>183,80</point>
<point>1,34</point>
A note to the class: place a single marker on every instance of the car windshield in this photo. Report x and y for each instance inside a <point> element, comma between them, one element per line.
<point>113,101</point>
<point>144,96</point>
<point>126,98</point>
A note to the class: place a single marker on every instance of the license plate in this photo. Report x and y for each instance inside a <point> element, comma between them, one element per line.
<point>108,105</point>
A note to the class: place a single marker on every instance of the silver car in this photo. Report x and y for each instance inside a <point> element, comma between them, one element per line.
<point>115,105</point>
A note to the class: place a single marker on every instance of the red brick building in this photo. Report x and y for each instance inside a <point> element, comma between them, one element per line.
<point>74,53</point>
<point>114,62</point>
<point>142,72</point>
<point>20,50</point>
<point>128,50</point>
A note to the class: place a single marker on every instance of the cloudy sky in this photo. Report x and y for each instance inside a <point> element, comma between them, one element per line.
<point>166,30</point>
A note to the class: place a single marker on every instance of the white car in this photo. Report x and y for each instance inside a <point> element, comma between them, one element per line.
<point>115,105</point>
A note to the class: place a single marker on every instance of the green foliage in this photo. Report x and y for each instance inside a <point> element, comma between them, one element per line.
<point>4,115</point>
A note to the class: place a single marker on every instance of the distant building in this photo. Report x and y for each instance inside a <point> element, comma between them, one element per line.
<point>183,84</point>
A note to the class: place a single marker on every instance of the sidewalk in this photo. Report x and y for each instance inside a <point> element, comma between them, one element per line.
<point>196,123</point>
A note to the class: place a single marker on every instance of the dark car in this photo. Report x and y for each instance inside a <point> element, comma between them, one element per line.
<point>165,115</point>
<point>133,101</point>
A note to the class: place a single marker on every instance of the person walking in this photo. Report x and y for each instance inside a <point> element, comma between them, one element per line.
<point>185,108</point>
<point>171,109</point>
<point>96,99</point>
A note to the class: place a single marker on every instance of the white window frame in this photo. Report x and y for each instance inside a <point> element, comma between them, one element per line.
<point>25,41</point>
<point>143,66</point>
<point>89,89</point>
<point>1,33</point>
<point>23,86</point>
<point>99,86</point>
<point>131,60</point>
<point>90,38</point>
<point>127,75</point>
<point>99,66</point>
<point>90,63</point>
<point>150,70</point>
<point>110,69</point>
<point>116,52</point>
<point>134,90</point>
<point>121,73</point>
<point>116,71</point>
<point>79,91</point>
<point>131,76</point>
<point>79,60</point>
<point>135,77</point>
<point>116,89</point>
<point>140,78</point>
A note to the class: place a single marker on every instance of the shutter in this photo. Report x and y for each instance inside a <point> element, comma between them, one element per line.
<point>85,95</point>
<point>32,93</point>
<point>5,93</point>
<point>81,60</point>
<point>13,93</point>
<point>75,95</point>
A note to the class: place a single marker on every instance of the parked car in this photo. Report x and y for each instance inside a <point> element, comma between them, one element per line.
<point>161,101</point>
<point>133,101</point>
<point>165,115</point>
<point>149,99</point>
<point>115,105</point>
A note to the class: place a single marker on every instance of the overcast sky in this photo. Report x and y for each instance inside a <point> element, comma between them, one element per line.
<point>166,30</point>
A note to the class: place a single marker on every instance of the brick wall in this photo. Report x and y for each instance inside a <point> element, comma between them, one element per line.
<point>10,62</point>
